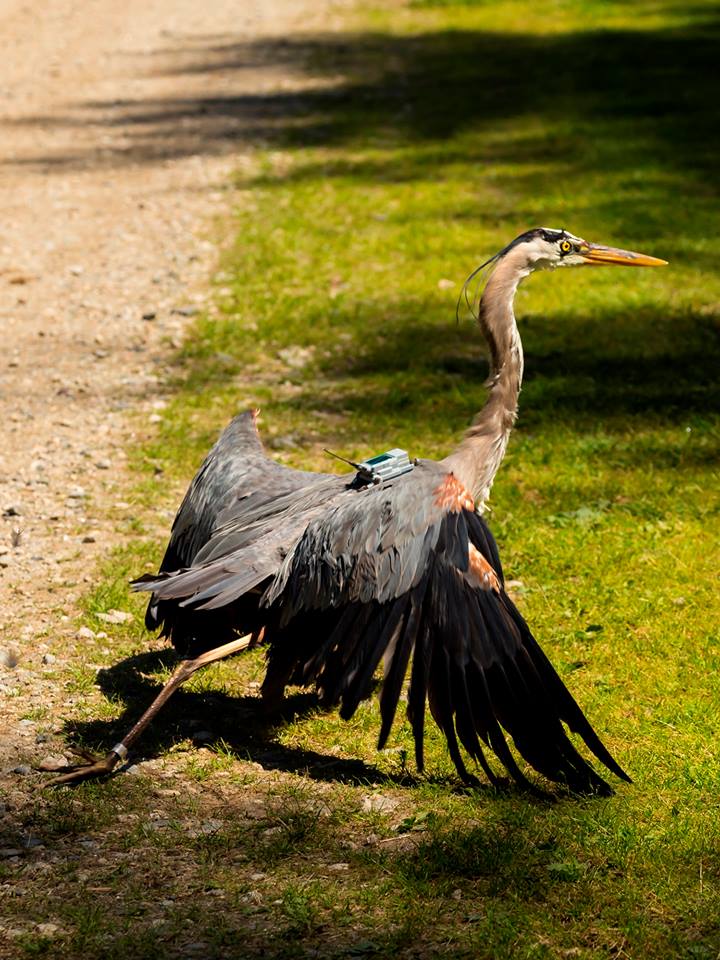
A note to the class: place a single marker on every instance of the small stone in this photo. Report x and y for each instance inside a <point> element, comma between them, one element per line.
<point>49,658</point>
<point>445,284</point>
<point>338,867</point>
<point>258,876</point>
<point>88,538</point>
<point>159,824</point>
<point>7,852</point>
<point>377,803</point>
<point>155,418</point>
<point>210,826</point>
<point>115,616</point>
<point>296,356</point>
<point>103,464</point>
<point>8,658</point>
<point>22,769</point>
<point>185,311</point>
<point>85,633</point>
<point>53,762</point>
<point>5,560</point>
<point>13,510</point>
<point>76,493</point>
<point>149,315</point>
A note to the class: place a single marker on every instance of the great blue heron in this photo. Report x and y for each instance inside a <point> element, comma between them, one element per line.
<point>333,573</point>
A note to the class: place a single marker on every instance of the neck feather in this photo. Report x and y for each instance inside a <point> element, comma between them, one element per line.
<point>476,459</point>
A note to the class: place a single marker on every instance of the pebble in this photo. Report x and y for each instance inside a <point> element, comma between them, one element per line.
<point>85,633</point>
<point>115,616</point>
<point>53,762</point>
<point>13,510</point>
<point>89,538</point>
<point>149,315</point>
<point>7,852</point>
<point>159,824</point>
<point>49,658</point>
<point>103,464</point>
<point>296,356</point>
<point>76,493</point>
<point>22,769</point>
<point>208,827</point>
<point>377,803</point>
<point>48,929</point>
<point>8,658</point>
<point>185,311</point>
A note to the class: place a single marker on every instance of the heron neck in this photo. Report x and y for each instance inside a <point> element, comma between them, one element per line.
<point>476,459</point>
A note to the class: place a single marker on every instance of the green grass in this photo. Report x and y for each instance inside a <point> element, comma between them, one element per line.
<point>434,134</point>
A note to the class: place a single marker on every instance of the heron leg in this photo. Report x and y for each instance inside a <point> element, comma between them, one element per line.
<point>98,768</point>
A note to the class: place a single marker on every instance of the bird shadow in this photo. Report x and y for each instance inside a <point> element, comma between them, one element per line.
<point>238,724</point>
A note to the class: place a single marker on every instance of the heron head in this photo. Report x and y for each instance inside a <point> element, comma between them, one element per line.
<point>545,249</point>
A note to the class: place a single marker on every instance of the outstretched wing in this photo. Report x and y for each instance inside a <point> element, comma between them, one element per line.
<point>408,571</point>
<point>236,478</point>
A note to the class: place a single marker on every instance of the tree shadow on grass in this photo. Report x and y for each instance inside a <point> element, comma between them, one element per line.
<point>591,102</point>
<point>604,370</point>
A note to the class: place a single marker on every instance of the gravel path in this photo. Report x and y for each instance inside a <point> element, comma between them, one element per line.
<point>121,123</point>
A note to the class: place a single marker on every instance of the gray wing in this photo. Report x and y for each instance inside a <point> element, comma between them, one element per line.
<point>236,478</point>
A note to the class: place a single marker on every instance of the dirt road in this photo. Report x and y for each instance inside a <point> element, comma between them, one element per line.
<point>120,125</point>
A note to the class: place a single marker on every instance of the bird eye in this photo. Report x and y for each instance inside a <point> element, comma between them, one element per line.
<point>565,246</point>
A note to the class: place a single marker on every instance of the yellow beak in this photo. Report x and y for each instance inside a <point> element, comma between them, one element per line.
<point>598,256</point>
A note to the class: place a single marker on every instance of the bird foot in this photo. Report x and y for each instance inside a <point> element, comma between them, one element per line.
<point>77,772</point>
